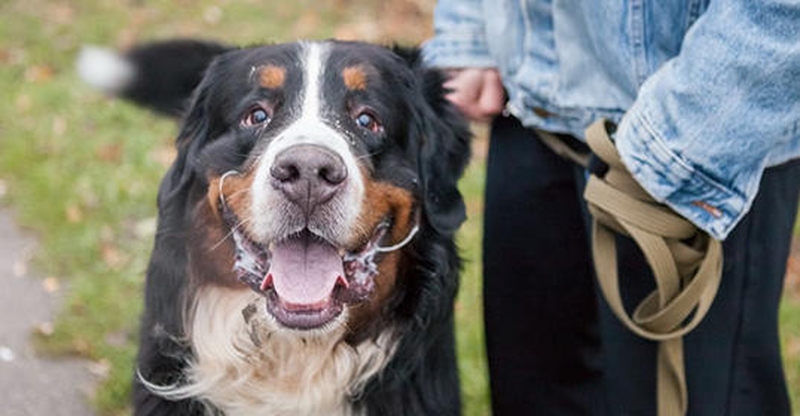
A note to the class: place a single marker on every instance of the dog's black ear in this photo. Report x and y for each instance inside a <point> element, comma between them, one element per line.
<point>445,147</point>
<point>159,75</point>
<point>194,134</point>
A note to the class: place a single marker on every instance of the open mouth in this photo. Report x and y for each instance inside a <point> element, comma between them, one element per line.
<point>306,280</point>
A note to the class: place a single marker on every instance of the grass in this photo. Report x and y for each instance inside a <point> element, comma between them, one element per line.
<point>469,312</point>
<point>790,328</point>
<point>81,171</point>
<point>789,319</point>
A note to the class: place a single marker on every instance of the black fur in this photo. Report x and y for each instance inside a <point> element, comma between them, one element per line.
<point>167,73</point>
<point>422,377</point>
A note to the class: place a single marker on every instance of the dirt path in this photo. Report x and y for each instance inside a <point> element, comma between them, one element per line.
<point>31,385</point>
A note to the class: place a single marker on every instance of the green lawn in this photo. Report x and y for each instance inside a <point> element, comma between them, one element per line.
<point>81,170</point>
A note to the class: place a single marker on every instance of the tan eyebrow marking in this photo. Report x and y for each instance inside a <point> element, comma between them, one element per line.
<point>272,76</point>
<point>355,78</point>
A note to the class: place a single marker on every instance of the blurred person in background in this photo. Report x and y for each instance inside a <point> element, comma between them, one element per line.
<point>705,95</point>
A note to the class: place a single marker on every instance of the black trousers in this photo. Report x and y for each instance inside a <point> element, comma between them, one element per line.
<point>553,345</point>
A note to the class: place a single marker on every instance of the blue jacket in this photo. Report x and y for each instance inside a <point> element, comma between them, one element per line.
<point>706,93</point>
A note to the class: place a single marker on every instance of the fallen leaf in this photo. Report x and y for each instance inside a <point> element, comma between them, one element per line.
<point>111,255</point>
<point>38,74</point>
<point>73,213</point>
<point>81,346</point>
<point>12,56</point>
<point>100,368</point>
<point>51,285</point>
<point>45,329</point>
<point>163,155</point>
<point>110,152</point>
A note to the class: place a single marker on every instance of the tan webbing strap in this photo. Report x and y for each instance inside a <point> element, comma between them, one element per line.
<point>562,149</point>
<point>686,264</point>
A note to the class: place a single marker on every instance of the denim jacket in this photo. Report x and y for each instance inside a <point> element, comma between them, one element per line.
<point>706,93</point>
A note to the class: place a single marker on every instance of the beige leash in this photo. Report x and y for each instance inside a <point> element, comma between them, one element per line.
<point>686,264</point>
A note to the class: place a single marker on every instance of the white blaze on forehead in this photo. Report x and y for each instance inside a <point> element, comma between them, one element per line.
<point>315,55</point>
<point>309,128</point>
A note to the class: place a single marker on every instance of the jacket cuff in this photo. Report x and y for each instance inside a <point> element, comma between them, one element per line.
<point>674,180</point>
<point>457,50</point>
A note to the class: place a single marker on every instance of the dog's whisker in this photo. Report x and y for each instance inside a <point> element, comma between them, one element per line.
<point>230,233</point>
<point>236,193</point>
<point>368,155</point>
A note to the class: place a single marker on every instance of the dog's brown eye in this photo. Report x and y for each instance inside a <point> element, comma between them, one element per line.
<point>255,117</point>
<point>369,121</point>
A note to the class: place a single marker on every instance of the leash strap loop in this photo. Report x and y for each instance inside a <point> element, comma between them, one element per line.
<point>686,264</point>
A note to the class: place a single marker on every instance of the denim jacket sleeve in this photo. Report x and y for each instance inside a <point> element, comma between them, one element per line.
<point>460,39</point>
<point>704,126</point>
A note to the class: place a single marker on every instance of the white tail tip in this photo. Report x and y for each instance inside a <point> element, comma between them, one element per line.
<point>104,69</point>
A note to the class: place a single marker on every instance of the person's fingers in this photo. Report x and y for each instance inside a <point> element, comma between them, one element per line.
<point>477,92</point>
<point>493,97</point>
<point>464,86</point>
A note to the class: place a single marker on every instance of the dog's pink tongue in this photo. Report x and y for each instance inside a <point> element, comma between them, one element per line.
<point>304,271</point>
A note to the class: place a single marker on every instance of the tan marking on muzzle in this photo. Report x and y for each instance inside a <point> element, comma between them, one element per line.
<point>384,200</point>
<point>230,190</point>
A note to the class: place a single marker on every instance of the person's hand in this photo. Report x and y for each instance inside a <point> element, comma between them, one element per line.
<point>477,92</point>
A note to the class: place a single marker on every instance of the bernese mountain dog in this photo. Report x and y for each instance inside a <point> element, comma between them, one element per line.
<point>304,261</point>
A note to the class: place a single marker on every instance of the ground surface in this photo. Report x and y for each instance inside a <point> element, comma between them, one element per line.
<point>31,384</point>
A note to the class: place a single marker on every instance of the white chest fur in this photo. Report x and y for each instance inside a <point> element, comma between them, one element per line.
<point>254,367</point>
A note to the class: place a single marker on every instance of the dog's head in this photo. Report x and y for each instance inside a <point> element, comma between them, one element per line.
<point>310,171</point>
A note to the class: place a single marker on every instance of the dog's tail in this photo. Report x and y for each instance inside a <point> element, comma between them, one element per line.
<point>160,75</point>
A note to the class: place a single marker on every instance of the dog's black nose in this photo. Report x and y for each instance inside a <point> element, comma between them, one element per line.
<point>309,175</point>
